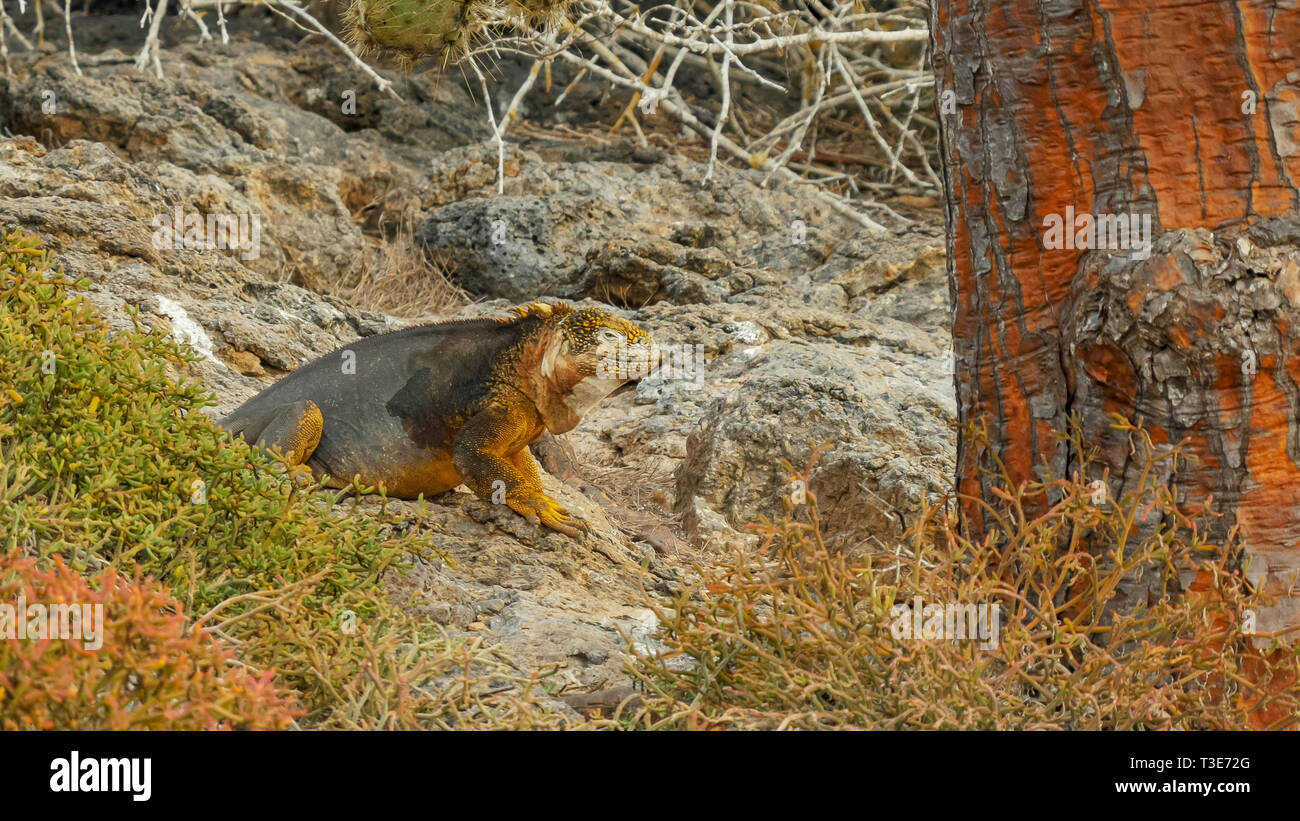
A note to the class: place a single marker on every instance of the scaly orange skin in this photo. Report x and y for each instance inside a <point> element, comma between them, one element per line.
<point>430,407</point>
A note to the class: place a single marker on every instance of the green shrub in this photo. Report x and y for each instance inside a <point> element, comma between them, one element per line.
<point>106,462</point>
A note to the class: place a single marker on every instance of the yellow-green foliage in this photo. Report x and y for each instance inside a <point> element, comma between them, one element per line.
<point>108,463</point>
<point>799,637</point>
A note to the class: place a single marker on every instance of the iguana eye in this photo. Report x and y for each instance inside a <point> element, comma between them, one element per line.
<point>607,335</point>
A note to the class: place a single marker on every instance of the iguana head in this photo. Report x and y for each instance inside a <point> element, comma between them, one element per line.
<point>605,346</point>
<point>579,357</point>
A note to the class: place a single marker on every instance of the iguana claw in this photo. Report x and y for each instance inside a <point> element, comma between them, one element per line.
<point>550,513</point>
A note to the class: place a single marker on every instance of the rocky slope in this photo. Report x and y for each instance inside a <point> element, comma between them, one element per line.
<point>812,329</point>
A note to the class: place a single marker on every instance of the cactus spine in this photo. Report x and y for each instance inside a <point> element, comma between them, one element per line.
<point>407,30</point>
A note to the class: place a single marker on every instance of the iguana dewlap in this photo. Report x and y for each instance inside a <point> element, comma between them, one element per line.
<point>426,408</point>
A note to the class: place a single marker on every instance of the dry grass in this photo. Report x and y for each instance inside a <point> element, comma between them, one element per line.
<point>798,636</point>
<point>397,276</point>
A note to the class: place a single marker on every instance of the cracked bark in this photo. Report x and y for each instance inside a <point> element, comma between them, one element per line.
<point>1188,113</point>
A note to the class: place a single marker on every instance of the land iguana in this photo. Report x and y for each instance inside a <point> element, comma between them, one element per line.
<point>426,408</point>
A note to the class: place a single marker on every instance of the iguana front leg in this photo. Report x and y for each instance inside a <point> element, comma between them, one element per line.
<point>492,448</point>
<point>550,512</point>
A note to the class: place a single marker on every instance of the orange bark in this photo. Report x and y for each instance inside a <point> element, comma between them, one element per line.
<point>1187,113</point>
